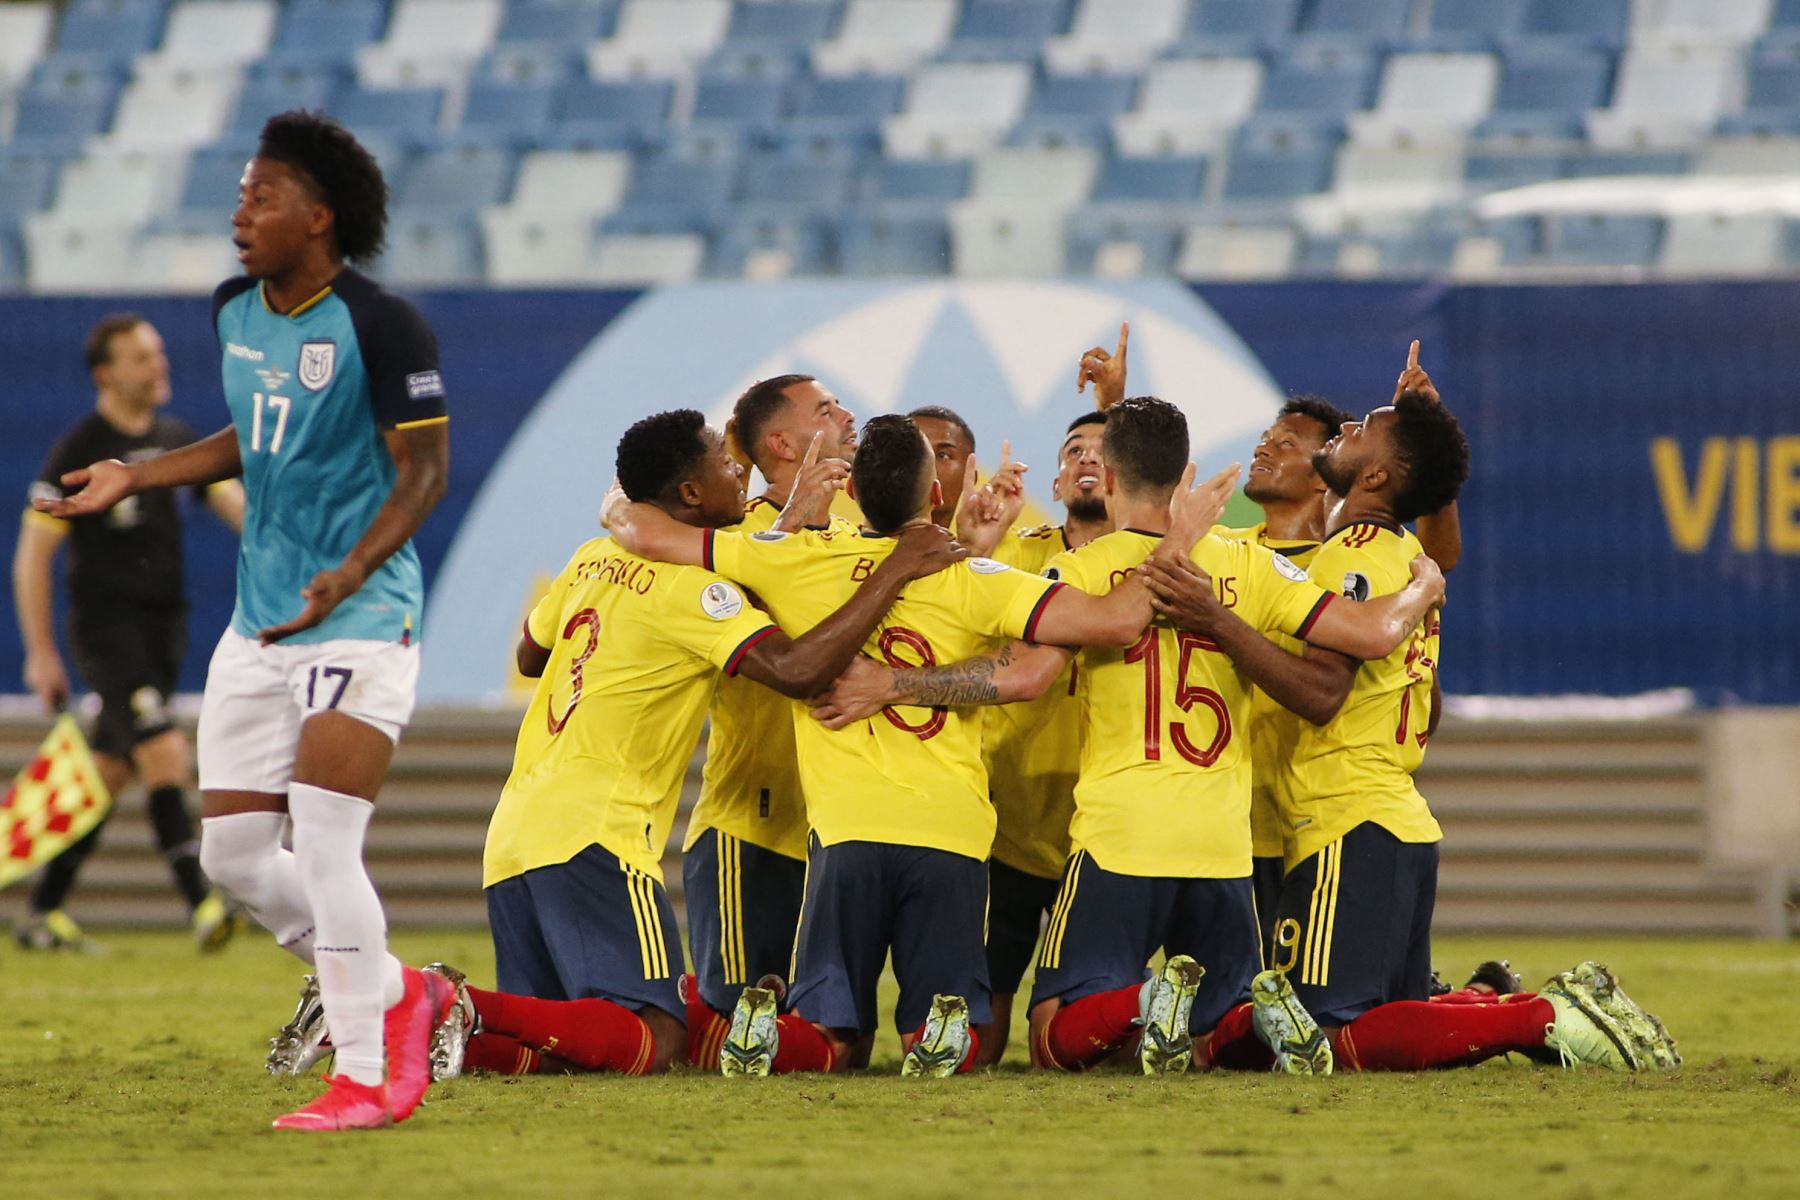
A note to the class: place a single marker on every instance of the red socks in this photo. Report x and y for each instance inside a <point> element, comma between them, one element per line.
<point>596,1035</point>
<point>1089,1030</point>
<point>1412,1035</point>
<point>1233,1045</point>
<point>501,1055</point>
<point>803,1047</point>
<point>706,1028</point>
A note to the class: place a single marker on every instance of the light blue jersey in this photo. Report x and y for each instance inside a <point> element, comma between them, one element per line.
<point>311,393</point>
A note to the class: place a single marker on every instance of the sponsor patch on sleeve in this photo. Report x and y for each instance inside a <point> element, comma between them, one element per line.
<point>1356,585</point>
<point>721,601</point>
<point>1288,569</point>
<point>424,385</point>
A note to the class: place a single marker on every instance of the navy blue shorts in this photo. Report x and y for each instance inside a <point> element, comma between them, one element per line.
<point>590,927</point>
<point>743,904</point>
<point>1355,924</point>
<point>1018,902</point>
<point>1265,880</point>
<point>866,898</point>
<point>1105,928</point>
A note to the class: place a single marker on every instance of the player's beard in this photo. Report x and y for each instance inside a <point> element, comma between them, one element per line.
<point>1337,479</point>
<point>1087,508</point>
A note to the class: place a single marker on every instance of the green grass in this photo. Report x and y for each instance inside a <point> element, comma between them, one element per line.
<point>139,1074</point>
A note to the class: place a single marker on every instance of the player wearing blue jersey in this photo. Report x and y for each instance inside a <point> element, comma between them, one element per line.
<point>338,430</point>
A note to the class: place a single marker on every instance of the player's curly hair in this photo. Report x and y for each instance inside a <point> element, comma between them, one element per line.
<point>345,175</point>
<point>1087,418</point>
<point>1429,440</point>
<point>751,415</point>
<point>890,470</point>
<point>938,412</point>
<point>1305,404</point>
<point>659,452</point>
<point>1146,443</point>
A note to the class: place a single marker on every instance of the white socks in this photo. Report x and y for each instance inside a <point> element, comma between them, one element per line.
<point>358,979</point>
<point>318,902</point>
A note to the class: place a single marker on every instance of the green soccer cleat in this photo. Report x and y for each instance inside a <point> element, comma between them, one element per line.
<point>450,1039</point>
<point>944,1045</point>
<point>304,1040</point>
<point>1582,1033</point>
<point>217,919</point>
<point>1284,1025</point>
<point>1651,1037</point>
<point>1168,1046</point>
<point>749,1048</point>
<point>55,930</point>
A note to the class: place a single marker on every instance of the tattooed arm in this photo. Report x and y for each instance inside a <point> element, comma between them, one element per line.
<point>1020,671</point>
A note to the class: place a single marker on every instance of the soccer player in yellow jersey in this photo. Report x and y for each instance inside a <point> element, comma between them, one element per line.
<point>1033,749</point>
<point>1160,831</point>
<point>1354,919</point>
<point>626,652</point>
<point>901,822</point>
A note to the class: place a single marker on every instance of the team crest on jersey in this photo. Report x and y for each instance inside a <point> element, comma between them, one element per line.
<point>1289,569</point>
<point>987,566</point>
<point>318,361</point>
<point>1356,585</point>
<point>721,601</point>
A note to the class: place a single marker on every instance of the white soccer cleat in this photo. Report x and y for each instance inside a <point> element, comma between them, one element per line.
<point>1582,1033</point>
<point>304,1040</point>
<point>450,1040</point>
<point>944,1044</point>
<point>755,1036</point>
<point>1167,999</point>
<point>1654,1045</point>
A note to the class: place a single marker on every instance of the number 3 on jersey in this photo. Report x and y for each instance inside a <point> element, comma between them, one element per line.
<point>584,624</point>
<point>1148,650</point>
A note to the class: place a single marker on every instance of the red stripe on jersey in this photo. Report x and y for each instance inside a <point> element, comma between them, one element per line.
<point>737,656</point>
<point>532,640</point>
<point>1038,610</point>
<point>706,548</point>
<point>1312,618</point>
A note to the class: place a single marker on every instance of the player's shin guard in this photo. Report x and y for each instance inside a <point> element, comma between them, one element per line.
<point>1091,1029</point>
<point>358,981</point>
<point>1418,1035</point>
<point>595,1035</point>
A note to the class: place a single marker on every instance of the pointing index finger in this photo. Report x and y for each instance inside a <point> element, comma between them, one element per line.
<point>812,451</point>
<point>1124,337</point>
<point>1412,356</point>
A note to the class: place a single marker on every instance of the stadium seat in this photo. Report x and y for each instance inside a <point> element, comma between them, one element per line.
<point>1074,110</point>
<point>278,84</point>
<point>885,37</point>
<point>1717,244</point>
<point>1323,89</point>
<point>1004,30</point>
<point>429,43</point>
<point>1771,98</point>
<point>329,29</point>
<point>1357,22</point>
<point>571,181</point>
<point>83,254</point>
<point>1140,181</point>
<point>1415,252</point>
<point>686,191</point>
<point>633,111</point>
<point>1266,165</point>
<point>526,248</point>
<point>957,109</point>
<point>131,185</point>
<point>848,110</point>
<point>777,61</point>
<point>792,22</point>
<point>1601,23</point>
<point>1237,251</point>
<point>570,24</point>
<point>1115,36</point>
<point>455,180</point>
<point>12,256</point>
<point>754,104</point>
<point>24,36</point>
<point>1668,99</point>
<point>660,38</point>
<point>176,105</point>
<point>815,185</point>
<point>512,91</point>
<point>770,246</point>
<point>1546,94</point>
<point>1599,165</point>
<point>1429,97</point>
<point>182,254</point>
<point>1701,22</point>
<point>1500,168</point>
<point>1238,26</point>
<point>214,32</point>
<point>1061,177</point>
<point>67,99</point>
<point>210,185</point>
<point>885,245</point>
<point>927,183</point>
<point>1387,177</point>
<point>1189,106</point>
<point>1016,240</point>
<point>400,114</point>
<point>1471,25</point>
<point>1750,156</point>
<point>1602,240</point>
<point>641,260</point>
<point>1120,245</point>
<point>431,250</point>
<point>27,181</point>
<point>119,29</point>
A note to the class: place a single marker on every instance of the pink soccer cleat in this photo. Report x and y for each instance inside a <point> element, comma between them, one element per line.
<point>346,1104</point>
<point>408,1029</point>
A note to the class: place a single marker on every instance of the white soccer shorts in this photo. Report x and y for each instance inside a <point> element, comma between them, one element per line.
<point>257,697</point>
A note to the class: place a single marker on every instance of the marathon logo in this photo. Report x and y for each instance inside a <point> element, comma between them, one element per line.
<point>424,385</point>
<point>237,351</point>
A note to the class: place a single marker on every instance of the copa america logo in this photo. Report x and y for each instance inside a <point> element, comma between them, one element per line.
<point>1001,354</point>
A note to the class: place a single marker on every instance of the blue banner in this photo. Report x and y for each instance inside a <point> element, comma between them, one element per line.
<point>1632,523</point>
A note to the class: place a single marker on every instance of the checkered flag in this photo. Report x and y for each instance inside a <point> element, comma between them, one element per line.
<point>51,804</point>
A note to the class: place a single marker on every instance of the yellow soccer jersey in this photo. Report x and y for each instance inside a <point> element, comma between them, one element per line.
<point>1272,727</point>
<point>634,649</point>
<point>750,787</point>
<point>1033,749</point>
<point>1359,767</point>
<point>1165,760</point>
<point>909,776</point>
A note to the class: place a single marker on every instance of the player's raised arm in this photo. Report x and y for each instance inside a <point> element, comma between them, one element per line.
<point>649,532</point>
<point>1019,671</point>
<point>1105,371</point>
<point>1439,532</point>
<point>802,667</point>
<point>104,484</point>
<point>816,484</point>
<point>992,508</point>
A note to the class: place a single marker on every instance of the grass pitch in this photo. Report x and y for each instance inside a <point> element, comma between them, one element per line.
<point>140,1074</point>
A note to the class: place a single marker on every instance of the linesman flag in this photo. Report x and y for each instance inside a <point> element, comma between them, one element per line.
<point>51,804</point>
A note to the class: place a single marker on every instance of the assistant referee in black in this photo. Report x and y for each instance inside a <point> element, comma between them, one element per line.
<point>127,621</point>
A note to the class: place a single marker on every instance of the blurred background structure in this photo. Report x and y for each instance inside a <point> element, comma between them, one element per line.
<point>1588,210</point>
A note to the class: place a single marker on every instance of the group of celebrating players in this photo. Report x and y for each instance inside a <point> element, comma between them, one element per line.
<point>1134,733</point>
